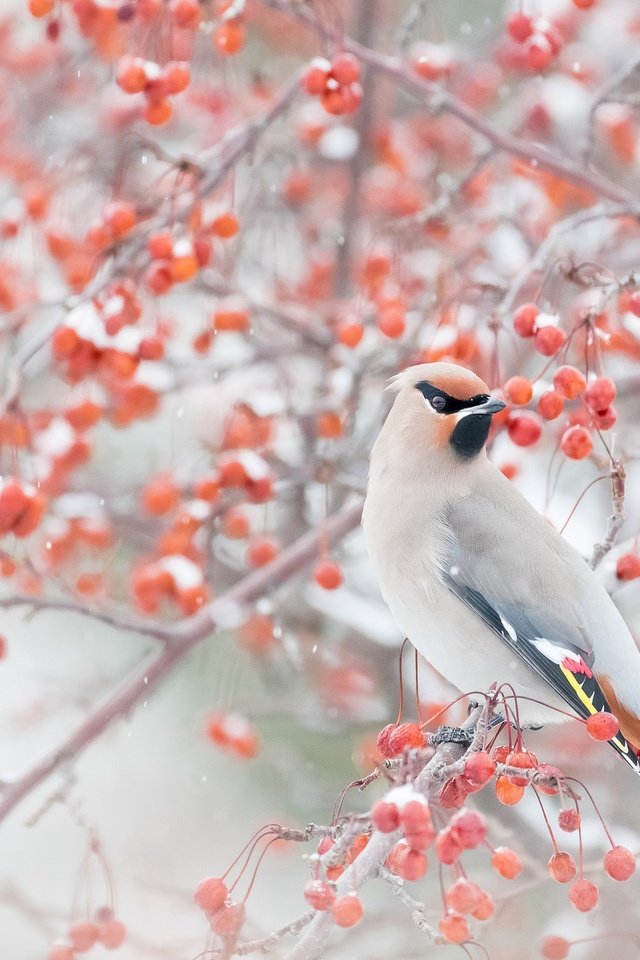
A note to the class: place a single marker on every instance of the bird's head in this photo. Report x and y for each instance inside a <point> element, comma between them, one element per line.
<point>441,407</point>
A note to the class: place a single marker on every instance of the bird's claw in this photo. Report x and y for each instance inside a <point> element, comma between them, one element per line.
<point>450,735</point>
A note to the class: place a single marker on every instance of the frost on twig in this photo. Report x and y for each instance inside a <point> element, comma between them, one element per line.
<point>616,519</point>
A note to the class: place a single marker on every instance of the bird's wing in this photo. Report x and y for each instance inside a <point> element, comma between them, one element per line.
<point>528,595</point>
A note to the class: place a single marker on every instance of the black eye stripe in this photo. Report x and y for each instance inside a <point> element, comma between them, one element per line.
<point>444,403</point>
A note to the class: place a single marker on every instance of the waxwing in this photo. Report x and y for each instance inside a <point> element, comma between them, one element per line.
<point>476,578</point>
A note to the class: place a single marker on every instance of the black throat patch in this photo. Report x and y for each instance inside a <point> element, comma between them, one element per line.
<point>470,435</point>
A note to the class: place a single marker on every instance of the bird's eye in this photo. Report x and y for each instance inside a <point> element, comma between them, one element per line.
<point>438,402</point>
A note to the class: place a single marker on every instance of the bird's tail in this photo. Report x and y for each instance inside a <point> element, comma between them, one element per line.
<point>591,699</point>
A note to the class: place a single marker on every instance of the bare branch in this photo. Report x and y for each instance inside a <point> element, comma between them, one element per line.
<point>616,520</point>
<point>185,636</point>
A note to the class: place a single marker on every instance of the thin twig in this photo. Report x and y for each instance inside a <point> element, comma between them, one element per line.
<point>185,636</point>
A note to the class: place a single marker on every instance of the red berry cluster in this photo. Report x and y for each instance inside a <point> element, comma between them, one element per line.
<point>21,508</point>
<point>224,915</point>
<point>541,39</point>
<point>234,733</point>
<point>158,84</point>
<point>335,82</point>
<point>104,930</point>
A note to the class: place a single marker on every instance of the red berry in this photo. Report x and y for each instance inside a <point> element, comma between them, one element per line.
<point>628,566</point>
<point>619,863</point>
<point>262,551</point>
<point>83,935</point>
<point>412,865</point>
<point>382,741</point>
<point>602,726</point>
<point>550,405</point>
<point>454,793</point>
<point>211,894</point>
<point>508,792</point>
<point>549,340</point>
<point>385,816</point>
<point>464,896</point>
<point>569,382</point>
<point>583,895</point>
<point>518,390</point>
<point>634,303</point>
<point>600,393</point>
<point>406,736</point>
<point>61,951</point>
<point>347,911</point>
<point>448,847</point>
<point>524,760</point>
<point>415,816</point>
<point>524,429</point>
<point>569,820</point>
<point>227,921</point>
<point>506,862</point>
<point>524,319</point>
<point>112,934</point>
<point>454,928</point>
<point>315,79</point>
<point>576,443</point>
<point>520,27</point>
<point>469,827</point>
<point>319,894</point>
<point>562,867</point>
<point>539,52</point>
<point>485,909</point>
<point>605,419</point>
<point>554,948</point>
<point>328,575</point>
<point>479,768</point>
<point>345,68</point>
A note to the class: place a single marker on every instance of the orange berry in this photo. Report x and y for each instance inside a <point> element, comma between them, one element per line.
<point>329,425</point>
<point>119,218</point>
<point>602,725</point>
<point>176,76</point>
<point>562,867</point>
<point>347,911</point>
<point>524,319</point>
<point>576,443</point>
<point>211,894</point>
<point>518,390</point>
<point>40,8</point>
<point>506,862</point>
<point>131,75</point>
<point>508,792</point>
<point>160,496</point>
<point>454,927</point>
<point>569,382</point>
<point>158,112</point>
<point>350,334</point>
<point>550,405</point>
<point>262,551</point>
<point>226,225</point>
<point>328,575</point>
<point>229,38</point>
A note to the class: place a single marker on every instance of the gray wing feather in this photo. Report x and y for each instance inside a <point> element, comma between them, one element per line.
<point>523,571</point>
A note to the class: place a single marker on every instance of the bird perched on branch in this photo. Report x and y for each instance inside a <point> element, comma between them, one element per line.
<point>475,577</point>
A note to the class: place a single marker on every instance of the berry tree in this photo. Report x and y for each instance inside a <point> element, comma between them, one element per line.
<point>225,224</point>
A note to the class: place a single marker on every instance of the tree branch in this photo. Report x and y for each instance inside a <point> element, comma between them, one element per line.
<point>441,99</point>
<point>184,637</point>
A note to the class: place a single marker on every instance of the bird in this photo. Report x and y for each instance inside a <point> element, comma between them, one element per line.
<point>480,582</point>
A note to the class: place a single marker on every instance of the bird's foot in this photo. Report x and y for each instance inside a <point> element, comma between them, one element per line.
<point>451,735</point>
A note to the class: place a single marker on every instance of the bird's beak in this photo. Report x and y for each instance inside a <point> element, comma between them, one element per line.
<point>490,406</point>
